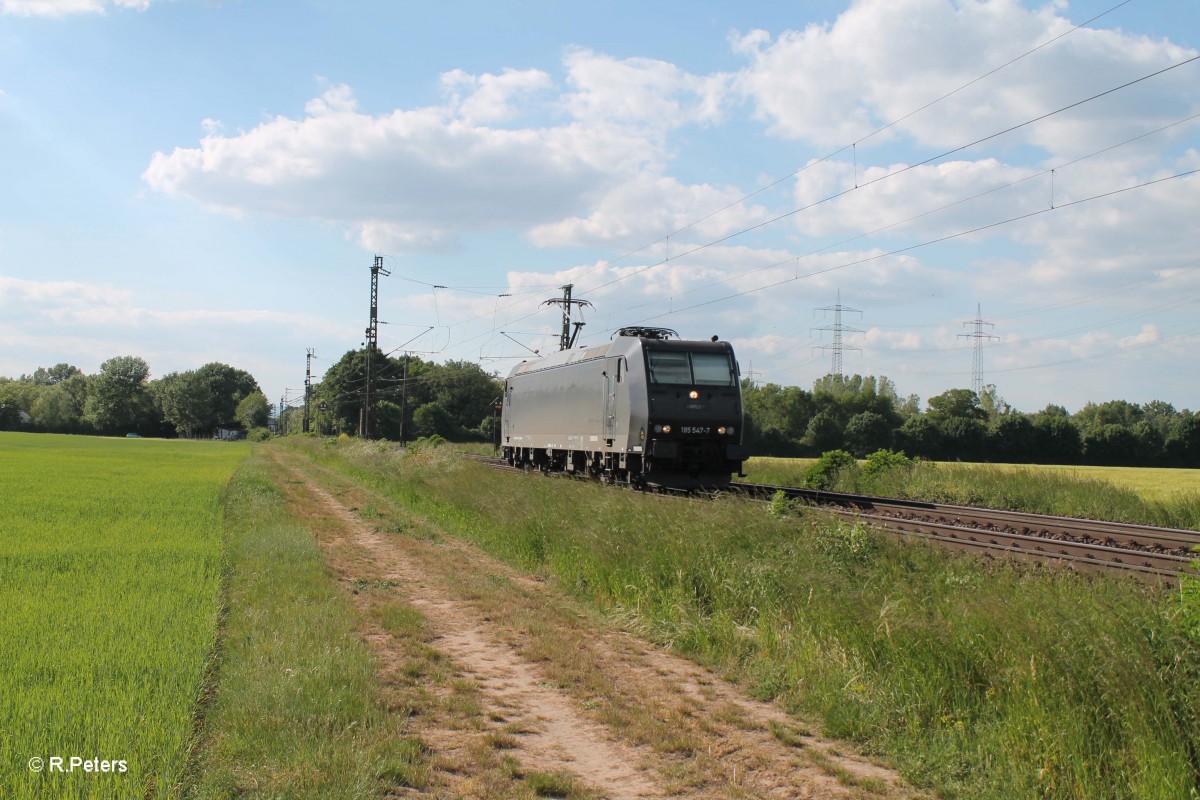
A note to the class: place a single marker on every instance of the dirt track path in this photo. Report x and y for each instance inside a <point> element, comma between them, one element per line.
<point>559,691</point>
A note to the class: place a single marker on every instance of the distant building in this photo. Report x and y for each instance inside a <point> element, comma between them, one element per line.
<point>230,433</point>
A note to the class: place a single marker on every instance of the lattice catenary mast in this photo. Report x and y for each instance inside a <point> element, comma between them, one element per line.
<point>365,415</point>
<point>979,337</point>
<point>838,329</point>
<point>307,386</point>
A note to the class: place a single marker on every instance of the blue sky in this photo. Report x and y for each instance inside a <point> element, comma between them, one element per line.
<point>195,181</point>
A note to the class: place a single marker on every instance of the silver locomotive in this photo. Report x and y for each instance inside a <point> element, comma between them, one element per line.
<point>644,408</point>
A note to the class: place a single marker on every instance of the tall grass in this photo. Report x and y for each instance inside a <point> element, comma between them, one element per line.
<point>110,570</point>
<point>982,680</point>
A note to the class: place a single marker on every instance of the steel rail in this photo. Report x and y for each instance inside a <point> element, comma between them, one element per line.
<point>1147,552</point>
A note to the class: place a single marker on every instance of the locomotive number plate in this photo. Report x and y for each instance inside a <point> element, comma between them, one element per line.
<point>694,429</point>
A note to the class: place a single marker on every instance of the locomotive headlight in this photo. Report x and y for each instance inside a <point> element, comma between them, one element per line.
<point>721,430</point>
<point>658,428</point>
<point>666,428</point>
<point>729,430</point>
<point>694,394</point>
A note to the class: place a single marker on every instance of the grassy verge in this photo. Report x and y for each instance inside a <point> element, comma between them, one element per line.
<point>983,681</point>
<point>110,571</point>
<point>295,709</point>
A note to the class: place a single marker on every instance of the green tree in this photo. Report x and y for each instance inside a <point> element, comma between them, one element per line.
<point>1057,439</point>
<point>776,418</point>
<point>1110,445</point>
<point>18,395</point>
<point>226,387</point>
<point>963,438</point>
<point>253,411</point>
<point>432,419</point>
<point>1183,444</point>
<point>992,404</point>
<point>920,436</point>
<point>464,390</point>
<point>1094,416</point>
<point>56,409</point>
<point>1161,415</point>
<point>184,402</point>
<point>1149,449</point>
<point>867,432</point>
<point>956,403</point>
<point>48,376</point>
<point>118,400</point>
<point>1013,439</point>
<point>824,431</point>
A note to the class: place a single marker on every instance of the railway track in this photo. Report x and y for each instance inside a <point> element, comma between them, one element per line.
<point>1146,552</point>
<point>1095,545</point>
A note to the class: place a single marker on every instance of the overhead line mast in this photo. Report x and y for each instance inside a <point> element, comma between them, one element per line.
<point>365,415</point>
<point>307,386</point>
<point>567,340</point>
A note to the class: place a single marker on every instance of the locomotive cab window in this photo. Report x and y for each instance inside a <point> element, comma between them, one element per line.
<point>690,369</point>
<point>712,369</point>
<point>669,367</point>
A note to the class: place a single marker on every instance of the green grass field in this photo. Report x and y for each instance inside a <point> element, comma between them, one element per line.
<point>110,577</point>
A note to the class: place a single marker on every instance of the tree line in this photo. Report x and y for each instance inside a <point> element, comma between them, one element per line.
<point>413,398</point>
<point>121,399</point>
<point>864,414</point>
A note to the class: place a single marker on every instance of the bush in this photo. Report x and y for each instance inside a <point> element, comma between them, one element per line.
<point>829,467</point>
<point>258,434</point>
<point>882,461</point>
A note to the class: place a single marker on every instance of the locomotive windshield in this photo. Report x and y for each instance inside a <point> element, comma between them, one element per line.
<point>692,369</point>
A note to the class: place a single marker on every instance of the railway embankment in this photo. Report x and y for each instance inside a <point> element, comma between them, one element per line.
<point>977,679</point>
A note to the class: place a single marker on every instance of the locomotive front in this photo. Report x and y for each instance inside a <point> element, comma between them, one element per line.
<point>694,426</point>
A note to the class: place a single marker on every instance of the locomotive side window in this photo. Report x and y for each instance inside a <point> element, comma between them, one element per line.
<point>712,369</point>
<point>669,367</point>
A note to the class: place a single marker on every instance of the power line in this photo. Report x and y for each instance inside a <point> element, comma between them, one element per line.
<point>927,243</point>
<point>901,171</point>
<point>864,184</point>
<point>796,259</point>
<point>794,173</point>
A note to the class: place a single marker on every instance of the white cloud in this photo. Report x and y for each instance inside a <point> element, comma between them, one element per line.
<point>890,195</point>
<point>400,175</point>
<point>18,292</point>
<point>76,303</point>
<point>417,178</point>
<point>647,206</point>
<point>880,60</point>
<point>492,98</point>
<point>878,339</point>
<point>1149,334</point>
<point>62,8</point>
<point>646,92</point>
